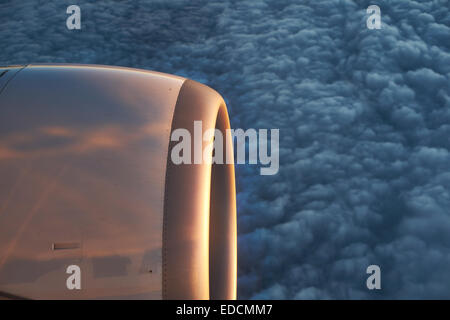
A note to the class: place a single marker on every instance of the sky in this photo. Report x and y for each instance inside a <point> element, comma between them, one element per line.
<point>364,119</point>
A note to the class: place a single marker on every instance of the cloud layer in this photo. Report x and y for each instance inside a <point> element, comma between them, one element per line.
<point>364,118</point>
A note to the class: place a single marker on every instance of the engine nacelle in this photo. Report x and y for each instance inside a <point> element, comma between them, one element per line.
<point>87,181</point>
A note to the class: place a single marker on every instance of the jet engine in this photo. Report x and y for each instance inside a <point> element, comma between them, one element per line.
<point>91,205</point>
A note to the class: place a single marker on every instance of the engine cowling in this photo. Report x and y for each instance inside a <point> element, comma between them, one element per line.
<point>87,181</point>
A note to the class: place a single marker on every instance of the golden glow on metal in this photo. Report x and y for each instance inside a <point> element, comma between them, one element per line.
<point>84,160</point>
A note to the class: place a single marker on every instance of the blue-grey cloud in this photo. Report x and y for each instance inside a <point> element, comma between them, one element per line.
<point>364,118</point>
